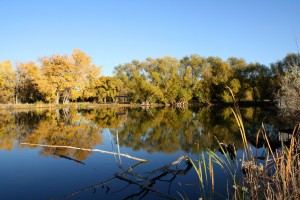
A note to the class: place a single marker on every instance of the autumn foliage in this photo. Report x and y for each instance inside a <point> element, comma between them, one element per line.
<point>167,80</point>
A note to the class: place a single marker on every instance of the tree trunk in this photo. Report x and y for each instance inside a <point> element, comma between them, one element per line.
<point>57,97</point>
<point>16,100</point>
<point>66,97</point>
<point>57,115</point>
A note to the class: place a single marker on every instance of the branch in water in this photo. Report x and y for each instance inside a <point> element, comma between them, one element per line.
<point>84,149</point>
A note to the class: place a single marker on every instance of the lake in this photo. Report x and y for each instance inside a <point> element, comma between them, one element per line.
<point>162,136</point>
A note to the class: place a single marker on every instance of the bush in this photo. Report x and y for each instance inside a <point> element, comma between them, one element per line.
<point>288,96</point>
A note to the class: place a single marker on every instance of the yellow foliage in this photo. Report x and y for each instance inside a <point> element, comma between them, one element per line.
<point>7,82</point>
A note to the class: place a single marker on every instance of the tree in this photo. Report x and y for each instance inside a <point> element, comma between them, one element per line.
<point>238,84</point>
<point>125,74</point>
<point>279,69</point>
<point>67,75</point>
<point>190,74</point>
<point>264,83</point>
<point>58,71</point>
<point>7,82</point>
<point>163,76</point>
<point>107,88</point>
<point>289,92</point>
<point>136,77</point>
<point>90,88</point>
<point>28,80</point>
<point>215,75</point>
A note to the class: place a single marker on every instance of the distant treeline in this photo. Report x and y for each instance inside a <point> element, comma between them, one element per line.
<point>167,80</point>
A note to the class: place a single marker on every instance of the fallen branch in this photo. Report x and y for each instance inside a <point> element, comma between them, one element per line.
<point>176,162</point>
<point>84,149</point>
<point>145,187</point>
<point>97,185</point>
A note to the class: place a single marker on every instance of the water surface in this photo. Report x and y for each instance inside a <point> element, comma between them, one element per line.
<point>160,136</point>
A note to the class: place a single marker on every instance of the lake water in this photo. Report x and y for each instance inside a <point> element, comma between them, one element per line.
<point>160,136</point>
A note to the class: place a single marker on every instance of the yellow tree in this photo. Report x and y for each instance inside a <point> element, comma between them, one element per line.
<point>29,82</point>
<point>91,82</point>
<point>56,70</point>
<point>67,75</point>
<point>7,82</point>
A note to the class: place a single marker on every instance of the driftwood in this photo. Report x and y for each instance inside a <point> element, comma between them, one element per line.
<point>84,149</point>
<point>143,187</point>
<point>94,187</point>
<point>166,167</point>
<point>146,183</point>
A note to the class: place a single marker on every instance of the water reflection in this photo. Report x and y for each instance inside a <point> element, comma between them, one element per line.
<point>160,135</point>
<point>164,130</point>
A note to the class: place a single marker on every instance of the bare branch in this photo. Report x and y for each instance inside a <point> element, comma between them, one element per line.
<point>84,149</point>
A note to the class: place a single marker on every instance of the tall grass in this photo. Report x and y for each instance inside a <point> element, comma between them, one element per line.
<point>281,177</point>
<point>276,178</point>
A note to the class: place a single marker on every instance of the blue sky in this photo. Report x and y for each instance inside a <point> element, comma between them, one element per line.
<point>115,32</point>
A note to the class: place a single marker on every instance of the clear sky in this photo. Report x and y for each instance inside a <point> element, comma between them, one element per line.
<point>115,32</point>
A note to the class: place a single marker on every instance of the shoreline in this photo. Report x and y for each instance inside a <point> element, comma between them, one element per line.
<point>85,105</point>
<point>78,105</point>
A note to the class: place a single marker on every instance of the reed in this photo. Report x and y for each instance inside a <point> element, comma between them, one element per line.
<point>284,181</point>
<point>204,167</point>
<point>277,178</point>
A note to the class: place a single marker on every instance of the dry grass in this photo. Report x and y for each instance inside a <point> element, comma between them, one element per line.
<point>78,105</point>
<point>278,177</point>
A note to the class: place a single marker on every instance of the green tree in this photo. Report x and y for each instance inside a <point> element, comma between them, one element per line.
<point>215,75</point>
<point>125,74</point>
<point>238,84</point>
<point>107,88</point>
<point>189,74</point>
<point>135,77</point>
<point>163,75</point>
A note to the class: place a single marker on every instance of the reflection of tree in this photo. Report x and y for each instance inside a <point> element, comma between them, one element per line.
<point>15,125</point>
<point>218,122</point>
<point>59,127</point>
<point>163,130</point>
<point>169,130</point>
<point>106,117</point>
<point>7,133</point>
<point>155,130</point>
<point>65,128</point>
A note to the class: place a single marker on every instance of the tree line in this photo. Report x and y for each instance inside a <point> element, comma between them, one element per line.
<point>167,80</point>
<point>58,79</point>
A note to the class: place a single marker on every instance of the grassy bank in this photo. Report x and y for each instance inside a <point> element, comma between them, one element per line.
<point>84,105</point>
<point>80,105</point>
